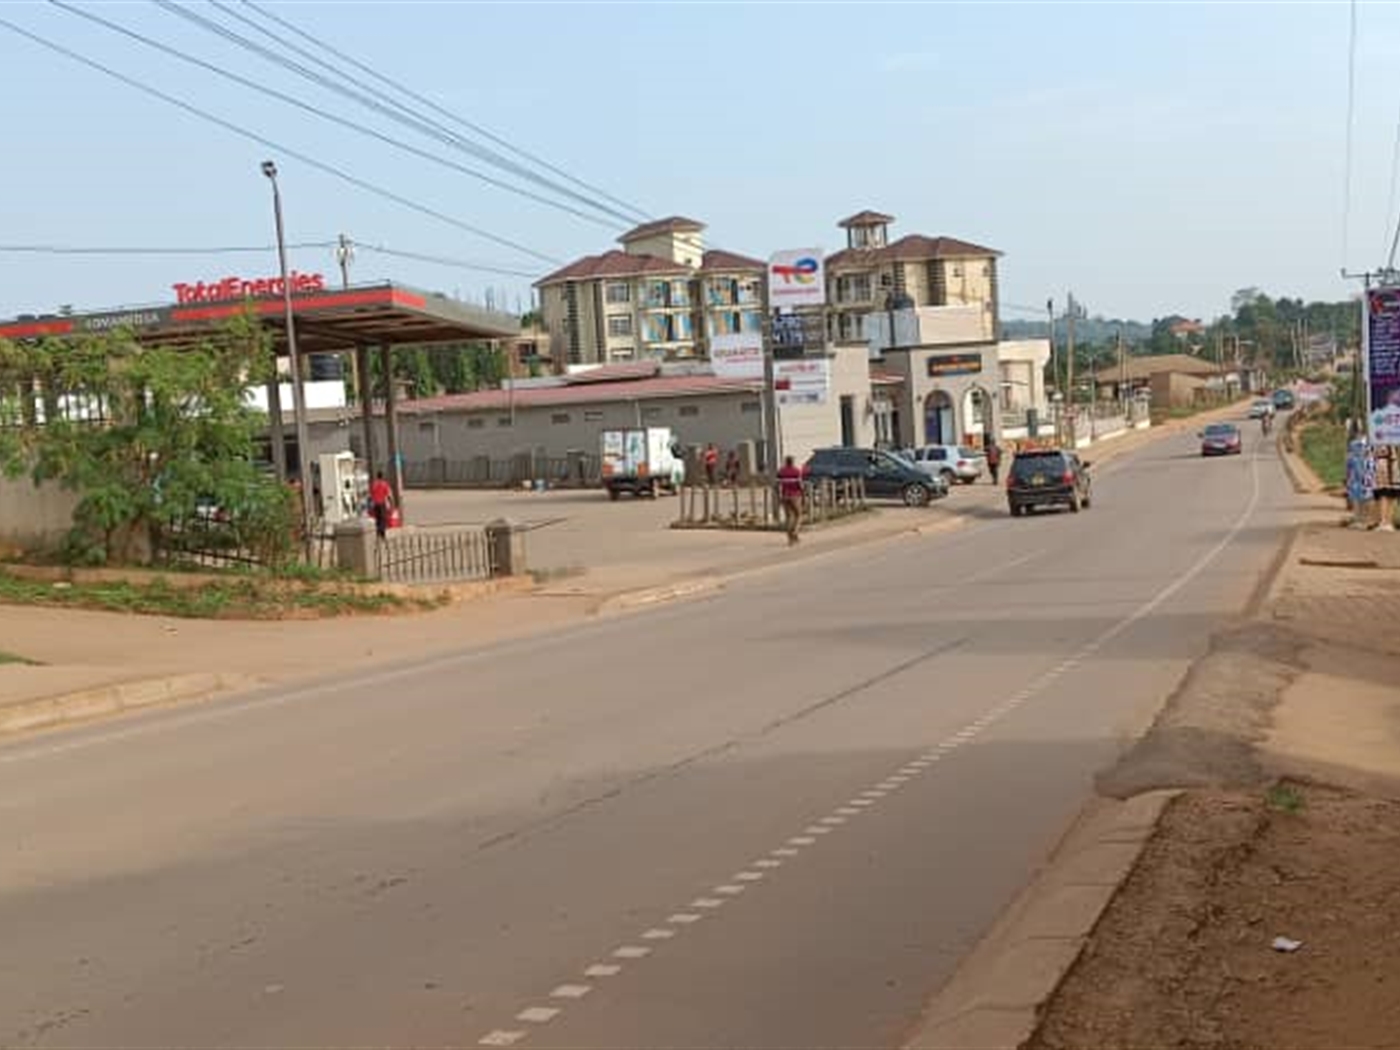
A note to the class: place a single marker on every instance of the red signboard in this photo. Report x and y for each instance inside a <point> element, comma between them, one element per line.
<point>233,289</point>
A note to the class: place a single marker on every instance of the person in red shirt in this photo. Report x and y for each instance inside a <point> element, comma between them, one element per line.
<point>790,495</point>
<point>381,499</point>
<point>711,462</point>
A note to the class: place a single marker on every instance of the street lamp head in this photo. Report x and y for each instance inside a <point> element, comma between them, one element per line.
<point>269,169</point>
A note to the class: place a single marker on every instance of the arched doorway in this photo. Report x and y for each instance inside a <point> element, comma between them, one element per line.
<point>977,415</point>
<point>940,427</point>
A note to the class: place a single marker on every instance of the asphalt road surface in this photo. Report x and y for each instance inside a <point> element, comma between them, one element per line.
<point>774,817</point>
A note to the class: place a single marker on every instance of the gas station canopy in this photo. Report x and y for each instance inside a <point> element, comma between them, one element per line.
<point>327,321</point>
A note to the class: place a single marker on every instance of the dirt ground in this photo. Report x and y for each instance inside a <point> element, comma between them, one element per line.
<point>1285,740</point>
<point>1183,956</point>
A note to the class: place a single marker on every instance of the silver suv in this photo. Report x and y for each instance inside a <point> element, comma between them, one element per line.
<point>950,462</point>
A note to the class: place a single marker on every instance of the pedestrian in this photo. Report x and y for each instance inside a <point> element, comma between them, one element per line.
<point>1361,482</point>
<point>381,500</point>
<point>790,495</point>
<point>994,460</point>
<point>711,463</point>
<point>731,468</point>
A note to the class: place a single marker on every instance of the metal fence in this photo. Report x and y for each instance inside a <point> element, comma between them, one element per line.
<point>207,542</point>
<point>579,470</point>
<point>430,557</point>
<point>757,506</point>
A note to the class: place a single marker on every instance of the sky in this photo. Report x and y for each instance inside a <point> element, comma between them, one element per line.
<point>1149,158</point>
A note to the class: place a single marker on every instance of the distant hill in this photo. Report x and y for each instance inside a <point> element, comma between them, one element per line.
<point>1086,330</point>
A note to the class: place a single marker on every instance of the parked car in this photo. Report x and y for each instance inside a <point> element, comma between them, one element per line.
<point>1046,478</point>
<point>951,462</point>
<point>1283,400</point>
<point>1221,439</point>
<point>1260,408</point>
<point>887,476</point>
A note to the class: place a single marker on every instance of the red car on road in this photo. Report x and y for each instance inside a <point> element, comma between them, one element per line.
<point>1220,439</point>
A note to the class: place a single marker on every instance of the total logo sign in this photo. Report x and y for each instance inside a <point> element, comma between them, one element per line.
<point>796,278</point>
<point>232,289</point>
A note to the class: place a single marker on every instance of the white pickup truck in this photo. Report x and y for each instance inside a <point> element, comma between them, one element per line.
<point>644,461</point>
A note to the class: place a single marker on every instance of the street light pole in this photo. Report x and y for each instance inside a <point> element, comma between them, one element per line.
<point>298,394</point>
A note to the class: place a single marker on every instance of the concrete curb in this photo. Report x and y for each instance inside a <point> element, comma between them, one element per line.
<point>107,700</point>
<point>994,999</point>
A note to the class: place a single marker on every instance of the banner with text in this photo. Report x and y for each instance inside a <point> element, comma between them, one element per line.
<point>738,356</point>
<point>796,278</point>
<point>802,382</point>
<point>1380,352</point>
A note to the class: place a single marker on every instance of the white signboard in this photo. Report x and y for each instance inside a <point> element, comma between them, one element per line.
<point>796,278</point>
<point>802,382</point>
<point>737,356</point>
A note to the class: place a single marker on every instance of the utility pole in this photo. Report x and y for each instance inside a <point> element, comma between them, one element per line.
<point>1122,370</point>
<point>1069,367</point>
<point>345,255</point>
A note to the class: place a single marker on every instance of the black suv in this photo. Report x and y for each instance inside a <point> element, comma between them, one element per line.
<point>1047,477</point>
<point>885,475</point>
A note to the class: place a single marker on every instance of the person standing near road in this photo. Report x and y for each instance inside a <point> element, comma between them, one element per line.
<point>732,468</point>
<point>381,500</point>
<point>994,460</point>
<point>790,495</point>
<point>711,463</point>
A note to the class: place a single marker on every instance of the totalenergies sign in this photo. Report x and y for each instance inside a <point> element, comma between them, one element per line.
<point>233,289</point>
<point>796,278</point>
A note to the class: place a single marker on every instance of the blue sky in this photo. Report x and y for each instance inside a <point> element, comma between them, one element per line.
<point>1151,158</point>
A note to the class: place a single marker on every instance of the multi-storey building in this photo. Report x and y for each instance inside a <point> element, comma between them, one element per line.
<point>662,297</point>
<point>874,273</point>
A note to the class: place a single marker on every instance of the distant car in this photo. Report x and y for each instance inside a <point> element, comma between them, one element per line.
<point>1047,478</point>
<point>951,462</point>
<point>1221,439</point>
<point>1283,400</point>
<point>1260,408</point>
<point>887,476</point>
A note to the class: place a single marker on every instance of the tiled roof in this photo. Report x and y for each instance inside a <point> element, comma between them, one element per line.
<point>913,248</point>
<point>716,259</point>
<point>865,218</point>
<point>613,263</point>
<point>1139,368</point>
<point>582,394</point>
<point>675,224</point>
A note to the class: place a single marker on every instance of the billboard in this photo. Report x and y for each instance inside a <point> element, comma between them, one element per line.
<point>1380,355</point>
<point>954,365</point>
<point>804,382</point>
<point>738,356</point>
<point>796,277</point>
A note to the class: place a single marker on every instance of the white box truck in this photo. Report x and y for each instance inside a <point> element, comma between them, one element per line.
<point>644,461</point>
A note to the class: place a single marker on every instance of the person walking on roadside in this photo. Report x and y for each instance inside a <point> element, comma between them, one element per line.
<point>731,468</point>
<point>381,499</point>
<point>711,463</point>
<point>790,495</point>
<point>994,460</point>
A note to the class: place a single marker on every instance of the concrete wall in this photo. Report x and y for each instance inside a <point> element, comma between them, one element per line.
<point>34,518</point>
<point>919,385</point>
<point>1174,389</point>
<point>725,419</point>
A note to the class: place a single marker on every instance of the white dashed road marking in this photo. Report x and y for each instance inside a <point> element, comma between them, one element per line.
<point>540,1015</point>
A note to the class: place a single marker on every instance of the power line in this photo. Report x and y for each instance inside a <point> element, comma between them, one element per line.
<point>317,111</point>
<point>242,132</point>
<point>236,249</point>
<point>386,105</point>
<point>62,249</point>
<point>425,101</point>
<point>1351,114</point>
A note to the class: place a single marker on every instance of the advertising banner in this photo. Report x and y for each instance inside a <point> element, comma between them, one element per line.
<point>1380,353</point>
<point>796,278</point>
<point>805,382</point>
<point>954,365</point>
<point>738,356</point>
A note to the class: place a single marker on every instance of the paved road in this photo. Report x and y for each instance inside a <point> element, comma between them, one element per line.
<point>776,817</point>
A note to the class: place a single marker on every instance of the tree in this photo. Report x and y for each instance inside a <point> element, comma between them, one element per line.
<point>146,435</point>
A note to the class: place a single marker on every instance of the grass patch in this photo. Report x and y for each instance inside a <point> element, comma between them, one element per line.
<point>1324,447</point>
<point>239,598</point>
<point>11,658</point>
<point>1285,798</point>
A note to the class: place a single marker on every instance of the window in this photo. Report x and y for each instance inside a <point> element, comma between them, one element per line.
<point>593,415</point>
<point>475,423</point>
<point>688,410</point>
<point>887,280</point>
<point>503,421</point>
<point>751,321</point>
<point>620,326</point>
<point>957,270</point>
<point>559,418</point>
<point>853,288</point>
<point>656,293</point>
<point>619,293</point>
<point>651,412</point>
<point>680,293</point>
